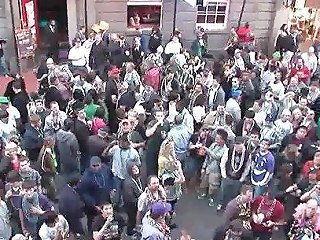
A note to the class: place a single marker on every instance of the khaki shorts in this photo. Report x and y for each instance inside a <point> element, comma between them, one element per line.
<point>211,181</point>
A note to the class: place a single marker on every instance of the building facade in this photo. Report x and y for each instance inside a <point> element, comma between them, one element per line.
<point>217,17</point>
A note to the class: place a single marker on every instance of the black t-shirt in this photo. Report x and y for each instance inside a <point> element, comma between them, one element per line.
<point>113,231</point>
<point>207,141</point>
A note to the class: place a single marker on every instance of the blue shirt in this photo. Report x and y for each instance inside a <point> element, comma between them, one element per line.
<point>180,136</point>
<point>262,169</point>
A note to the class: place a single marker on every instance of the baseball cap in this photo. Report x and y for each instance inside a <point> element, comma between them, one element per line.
<point>4,100</point>
<point>160,208</point>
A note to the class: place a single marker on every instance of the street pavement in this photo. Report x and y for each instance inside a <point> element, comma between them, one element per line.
<point>29,78</point>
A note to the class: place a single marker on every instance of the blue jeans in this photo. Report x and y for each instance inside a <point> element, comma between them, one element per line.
<point>118,185</point>
<point>229,190</point>
<point>259,190</point>
<point>3,66</point>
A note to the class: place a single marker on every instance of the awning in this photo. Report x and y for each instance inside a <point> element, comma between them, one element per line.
<point>312,4</point>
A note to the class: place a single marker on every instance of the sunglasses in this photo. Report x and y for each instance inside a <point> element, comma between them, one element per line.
<point>95,165</point>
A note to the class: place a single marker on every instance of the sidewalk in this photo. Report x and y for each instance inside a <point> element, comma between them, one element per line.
<point>29,78</point>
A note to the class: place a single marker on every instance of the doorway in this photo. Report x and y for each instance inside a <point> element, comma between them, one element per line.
<point>53,10</point>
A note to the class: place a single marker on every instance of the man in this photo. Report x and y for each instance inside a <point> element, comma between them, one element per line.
<point>235,167</point>
<point>154,223</point>
<point>157,193</point>
<point>77,56</point>
<point>33,137</point>
<point>55,120</point>
<point>27,173</point>
<point>98,57</point>
<point>312,166</point>
<point>301,71</point>
<point>3,65</point>
<point>33,206</point>
<point>68,149</point>
<point>180,135</point>
<point>71,206</point>
<point>210,172</point>
<point>267,213</point>
<point>52,40</point>
<point>156,132</point>
<point>54,94</point>
<point>81,130</point>
<point>94,188</point>
<point>122,154</point>
<point>21,100</point>
<point>108,225</point>
<point>216,95</point>
<point>263,164</point>
<point>81,34</point>
<point>54,227</point>
<point>98,143</point>
<point>41,111</point>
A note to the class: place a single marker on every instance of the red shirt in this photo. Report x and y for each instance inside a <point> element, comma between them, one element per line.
<point>308,167</point>
<point>244,35</point>
<point>303,74</point>
<point>271,213</point>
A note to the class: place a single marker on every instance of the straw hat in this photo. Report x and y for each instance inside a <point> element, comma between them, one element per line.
<point>96,28</point>
<point>104,26</point>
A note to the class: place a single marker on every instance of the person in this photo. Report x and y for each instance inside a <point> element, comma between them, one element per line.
<point>27,173</point>
<point>77,56</point>
<point>5,227</point>
<point>21,100</point>
<point>55,226</point>
<point>154,192</point>
<point>68,149</point>
<point>52,40</point>
<point>54,121</point>
<point>210,172</point>
<point>71,206</point>
<point>33,206</point>
<point>81,34</point>
<point>154,223</point>
<point>263,168</point>
<point>132,189</point>
<point>108,224</point>
<point>98,57</point>
<point>95,188</point>
<point>3,65</point>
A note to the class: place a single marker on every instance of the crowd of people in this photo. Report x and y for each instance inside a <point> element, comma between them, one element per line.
<point>128,128</point>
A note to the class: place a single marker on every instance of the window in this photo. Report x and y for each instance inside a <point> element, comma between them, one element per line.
<point>144,15</point>
<point>212,15</point>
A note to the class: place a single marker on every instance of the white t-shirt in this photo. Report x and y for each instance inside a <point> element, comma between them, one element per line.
<point>49,233</point>
<point>78,56</point>
<point>14,114</point>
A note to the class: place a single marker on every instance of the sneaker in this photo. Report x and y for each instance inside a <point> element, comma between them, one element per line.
<point>211,202</point>
<point>219,207</point>
<point>201,196</point>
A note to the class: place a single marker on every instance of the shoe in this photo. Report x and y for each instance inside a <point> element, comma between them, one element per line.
<point>201,196</point>
<point>211,202</point>
<point>173,226</point>
<point>219,207</point>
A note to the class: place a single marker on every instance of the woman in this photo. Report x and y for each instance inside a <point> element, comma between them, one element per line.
<point>297,118</point>
<point>48,166</point>
<point>132,189</point>
<point>307,221</point>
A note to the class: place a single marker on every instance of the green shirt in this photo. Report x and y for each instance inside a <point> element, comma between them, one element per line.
<point>90,110</point>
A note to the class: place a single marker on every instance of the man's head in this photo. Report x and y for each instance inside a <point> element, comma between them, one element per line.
<point>95,164</point>
<point>29,188</point>
<point>53,23</point>
<point>316,158</point>
<point>221,137</point>
<point>50,218</point>
<point>107,210</point>
<point>124,142</point>
<point>35,120</point>
<point>24,164</point>
<point>312,208</point>
<point>153,183</point>
<point>54,107</point>
<point>301,132</point>
<point>247,192</point>
<point>264,145</point>
<point>239,144</point>
<point>16,86</point>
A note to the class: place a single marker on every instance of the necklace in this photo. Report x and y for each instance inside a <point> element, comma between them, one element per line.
<point>270,209</point>
<point>236,165</point>
<point>138,184</point>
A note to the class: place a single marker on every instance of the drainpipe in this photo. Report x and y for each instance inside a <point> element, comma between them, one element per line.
<point>174,15</point>
<point>86,16</point>
<point>241,13</point>
<point>14,36</point>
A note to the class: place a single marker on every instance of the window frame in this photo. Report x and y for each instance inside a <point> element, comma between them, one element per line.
<point>146,3</point>
<point>213,26</point>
